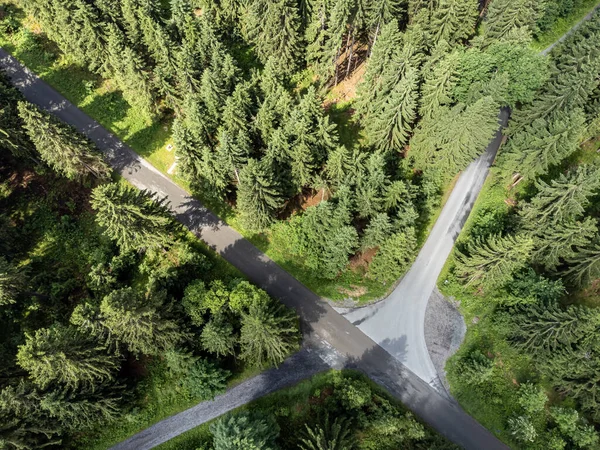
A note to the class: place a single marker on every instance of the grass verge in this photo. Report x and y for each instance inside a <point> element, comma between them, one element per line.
<point>563,25</point>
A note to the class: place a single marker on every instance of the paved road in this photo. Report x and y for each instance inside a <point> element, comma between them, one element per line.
<point>295,369</point>
<point>573,28</point>
<point>398,322</point>
<point>320,322</point>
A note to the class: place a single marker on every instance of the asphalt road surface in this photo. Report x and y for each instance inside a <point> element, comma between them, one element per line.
<point>398,322</point>
<point>320,322</point>
<point>571,30</point>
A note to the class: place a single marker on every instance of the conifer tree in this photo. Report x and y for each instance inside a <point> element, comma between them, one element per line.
<point>258,196</point>
<point>394,256</point>
<point>456,136</point>
<point>491,264</point>
<point>557,242</point>
<point>268,334</point>
<point>564,199</point>
<point>544,143</point>
<point>389,129</point>
<point>274,29</point>
<point>438,86</point>
<point>13,137</point>
<point>62,355</point>
<point>126,68</point>
<point>233,153</point>
<point>334,436</point>
<point>454,20</point>
<point>60,146</point>
<point>12,281</point>
<point>584,266</point>
<point>135,219</point>
<point>217,337</point>
<point>382,55</point>
<point>371,186</point>
<point>377,231</point>
<point>504,16</point>
<point>382,12</point>
<point>136,323</point>
<point>245,431</point>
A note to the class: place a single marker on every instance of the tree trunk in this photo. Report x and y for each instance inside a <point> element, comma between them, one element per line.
<point>350,55</point>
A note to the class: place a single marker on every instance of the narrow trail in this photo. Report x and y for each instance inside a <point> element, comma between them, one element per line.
<point>587,17</point>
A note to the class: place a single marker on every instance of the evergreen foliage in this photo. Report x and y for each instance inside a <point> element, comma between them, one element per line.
<point>61,147</point>
<point>134,219</point>
<point>245,431</point>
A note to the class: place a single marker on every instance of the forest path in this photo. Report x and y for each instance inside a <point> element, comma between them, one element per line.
<point>321,324</point>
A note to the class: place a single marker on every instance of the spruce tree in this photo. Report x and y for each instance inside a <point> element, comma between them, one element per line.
<point>275,32</point>
<point>438,86</point>
<point>62,355</point>
<point>258,196</point>
<point>382,12</point>
<point>584,266</point>
<point>127,69</point>
<point>557,242</point>
<point>491,265</point>
<point>504,16</point>
<point>135,219</point>
<point>136,322</point>
<point>371,186</point>
<point>454,20</point>
<point>377,231</point>
<point>217,337</point>
<point>12,282</point>
<point>544,143</point>
<point>245,431</point>
<point>13,137</point>
<point>394,257</point>
<point>331,436</point>
<point>60,146</point>
<point>390,128</point>
<point>268,335</point>
<point>564,199</point>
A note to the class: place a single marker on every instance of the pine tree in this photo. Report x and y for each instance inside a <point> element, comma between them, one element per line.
<point>544,143</point>
<point>134,219</point>
<point>12,282</point>
<point>456,136</point>
<point>269,333</point>
<point>394,257</point>
<point>60,146</point>
<point>545,329</point>
<point>382,12</point>
<point>390,128</point>
<point>245,431</point>
<point>258,196</point>
<point>504,16</point>
<point>564,199</point>
<point>585,265</point>
<point>217,337</point>
<point>136,323</point>
<point>13,137</point>
<point>371,186</point>
<point>454,20</point>
<point>377,231</point>
<point>556,242</point>
<point>126,68</point>
<point>275,32</point>
<point>491,264</point>
<point>62,355</point>
<point>382,55</point>
<point>330,436</point>
<point>438,86</point>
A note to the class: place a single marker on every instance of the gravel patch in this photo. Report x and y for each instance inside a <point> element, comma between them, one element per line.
<point>444,331</point>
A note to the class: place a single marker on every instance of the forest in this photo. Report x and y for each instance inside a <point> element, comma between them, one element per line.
<point>249,92</point>
<point>105,300</point>
<point>527,264</point>
<point>330,131</point>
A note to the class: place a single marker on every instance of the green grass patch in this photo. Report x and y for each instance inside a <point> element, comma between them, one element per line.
<point>563,25</point>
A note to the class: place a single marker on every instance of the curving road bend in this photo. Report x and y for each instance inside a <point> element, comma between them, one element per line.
<point>398,322</point>
<point>341,343</point>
